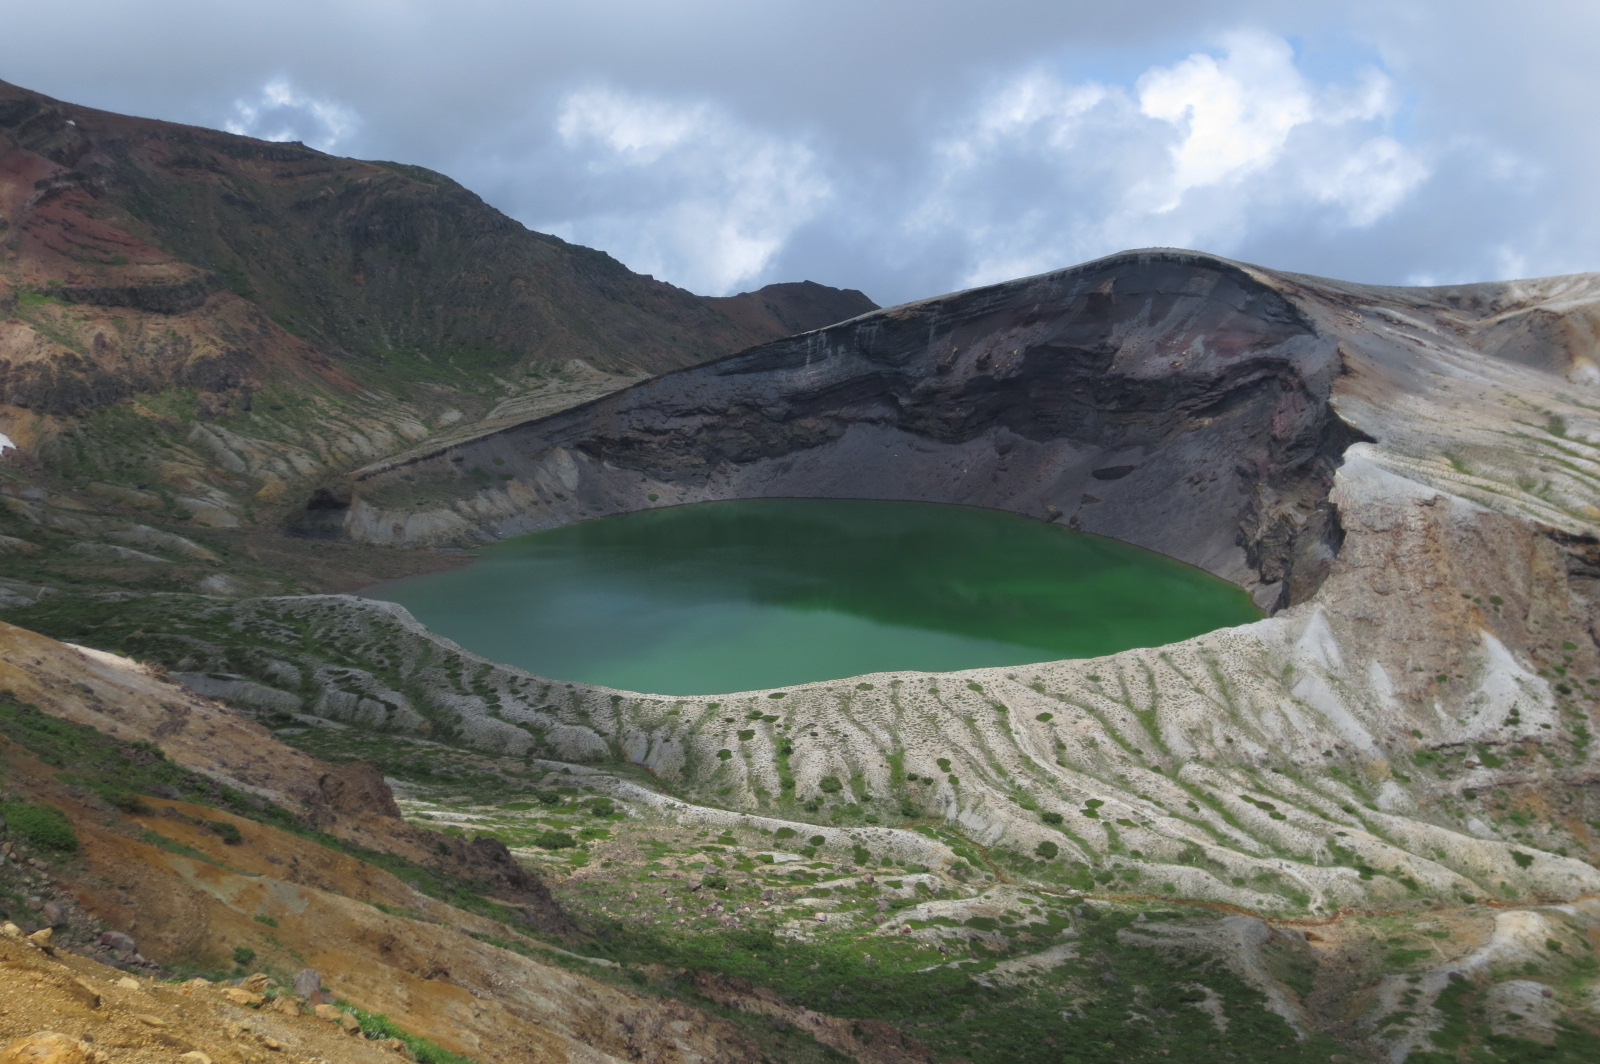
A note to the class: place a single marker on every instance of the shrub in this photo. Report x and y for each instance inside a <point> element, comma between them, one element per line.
<point>243,955</point>
<point>554,840</point>
<point>228,833</point>
<point>1047,850</point>
<point>1050,818</point>
<point>830,784</point>
<point>41,826</point>
<point>375,1025</point>
<point>127,802</point>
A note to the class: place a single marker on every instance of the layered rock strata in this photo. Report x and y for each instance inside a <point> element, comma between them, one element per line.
<point>1166,399</point>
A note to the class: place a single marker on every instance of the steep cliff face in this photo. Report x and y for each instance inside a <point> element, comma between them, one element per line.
<point>1185,403</point>
<point>1167,399</point>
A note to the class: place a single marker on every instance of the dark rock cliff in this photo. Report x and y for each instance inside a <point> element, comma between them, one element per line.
<point>1168,399</point>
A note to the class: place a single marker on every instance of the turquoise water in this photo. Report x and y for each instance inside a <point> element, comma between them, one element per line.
<point>734,596</point>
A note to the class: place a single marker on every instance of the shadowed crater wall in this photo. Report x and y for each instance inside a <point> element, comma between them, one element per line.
<point>1167,399</point>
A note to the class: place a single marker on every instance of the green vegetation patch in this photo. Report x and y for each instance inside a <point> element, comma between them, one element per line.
<point>376,1025</point>
<point>39,825</point>
<point>1130,1003</point>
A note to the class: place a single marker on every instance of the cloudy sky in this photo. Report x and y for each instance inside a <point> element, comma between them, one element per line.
<point>911,147</point>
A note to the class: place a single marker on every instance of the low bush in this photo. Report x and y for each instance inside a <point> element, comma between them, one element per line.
<point>554,840</point>
<point>228,833</point>
<point>39,825</point>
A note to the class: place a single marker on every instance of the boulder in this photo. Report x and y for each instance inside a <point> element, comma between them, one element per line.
<point>121,943</point>
<point>308,985</point>
<point>47,1047</point>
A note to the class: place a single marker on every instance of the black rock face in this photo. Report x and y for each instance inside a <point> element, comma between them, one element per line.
<point>1167,399</point>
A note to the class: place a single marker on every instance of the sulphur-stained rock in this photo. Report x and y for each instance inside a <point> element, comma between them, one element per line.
<point>43,938</point>
<point>47,1047</point>
<point>240,996</point>
<point>10,930</point>
<point>256,983</point>
<point>288,1005</point>
<point>349,1023</point>
<point>326,1012</point>
<point>194,1057</point>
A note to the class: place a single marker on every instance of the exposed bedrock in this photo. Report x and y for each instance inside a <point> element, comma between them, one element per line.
<point>1167,399</point>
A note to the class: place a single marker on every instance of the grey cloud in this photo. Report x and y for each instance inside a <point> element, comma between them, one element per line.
<point>850,108</point>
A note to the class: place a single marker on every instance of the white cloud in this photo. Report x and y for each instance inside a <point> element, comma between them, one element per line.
<point>1235,114</point>
<point>1205,152</point>
<point>1010,135</point>
<point>684,190</point>
<point>1369,181</point>
<point>280,112</point>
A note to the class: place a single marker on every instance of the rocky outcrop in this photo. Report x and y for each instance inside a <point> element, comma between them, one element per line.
<point>1167,399</point>
<point>156,298</point>
<point>793,307</point>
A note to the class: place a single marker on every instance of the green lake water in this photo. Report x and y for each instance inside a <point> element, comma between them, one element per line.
<point>735,596</point>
